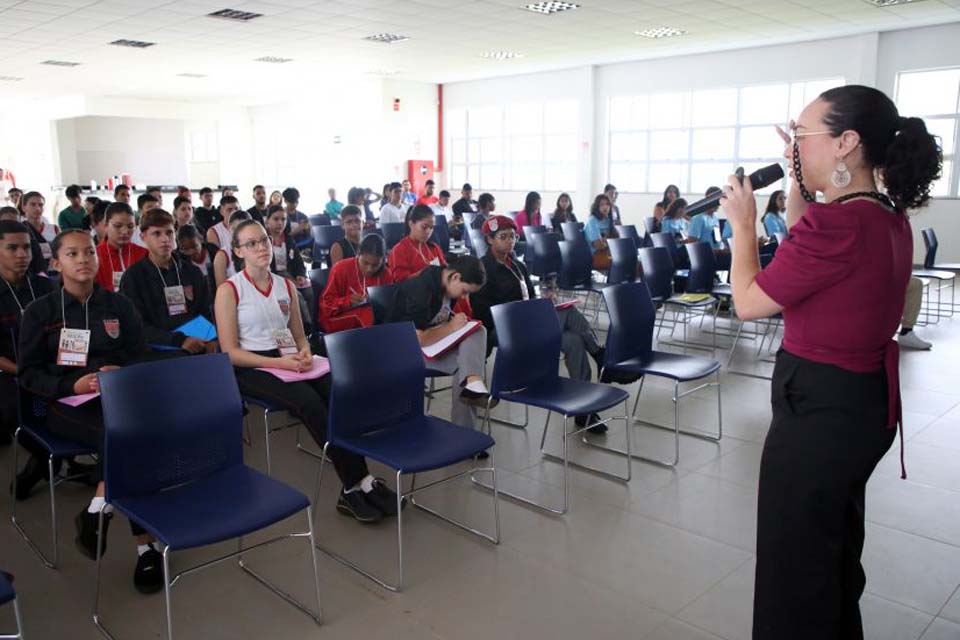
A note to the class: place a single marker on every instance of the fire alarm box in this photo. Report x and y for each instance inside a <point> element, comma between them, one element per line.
<point>418,172</point>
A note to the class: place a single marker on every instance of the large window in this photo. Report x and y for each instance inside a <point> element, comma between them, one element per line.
<point>935,97</point>
<point>693,139</point>
<point>529,146</point>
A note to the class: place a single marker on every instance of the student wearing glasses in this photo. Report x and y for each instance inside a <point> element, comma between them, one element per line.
<point>287,261</point>
<point>415,252</point>
<point>343,303</point>
<point>259,326</point>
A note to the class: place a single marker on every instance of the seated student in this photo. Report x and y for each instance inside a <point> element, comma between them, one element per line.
<point>612,194</point>
<point>121,193</point>
<point>191,248</point>
<point>157,193</point>
<point>352,229</point>
<point>563,213</point>
<point>430,300</point>
<point>206,215</point>
<point>11,214</point>
<point>72,216</point>
<point>20,288</point>
<point>117,253</point>
<point>258,211</point>
<point>182,212</point>
<point>219,234</point>
<point>508,281</point>
<point>98,221</point>
<point>598,228</point>
<point>671,193</point>
<point>334,206</point>
<point>275,198</point>
<point>298,224</point>
<point>145,202</point>
<point>703,224</point>
<point>166,290</point>
<point>225,262</point>
<point>428,198</point>
<point>395,210</point>
<point>259,327</point>
<point>673,220</point>
<point>14,196</point>
<point>407,195</point>
<point>42,233</point>
<point>486,205</point>
<point>529,216</point>
<point>103,332</point>
<point>347,286</point>
<point>89,205</point>
<point>362,199</point>
<point>454,222</point>
<point>288,262</point>
<point>415,252</point>
<point>774,218</point>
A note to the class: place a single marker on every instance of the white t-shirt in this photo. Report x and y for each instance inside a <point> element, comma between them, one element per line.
<point>393,213</point>
<point>223,234</point>
<point>259,313</point>
<point>447,212</point>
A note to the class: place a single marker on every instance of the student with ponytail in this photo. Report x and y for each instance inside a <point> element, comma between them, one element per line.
<point>839,280</point>
<point>416,251</point>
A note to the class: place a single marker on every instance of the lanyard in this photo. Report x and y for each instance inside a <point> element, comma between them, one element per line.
<point>123,267</point>
<point>86,311</point>
<point>519,276</point>
<point>33,296</point>
<point>420,252</point>
<point>163,280</point>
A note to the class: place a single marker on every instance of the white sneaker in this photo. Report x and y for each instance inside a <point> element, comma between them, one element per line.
<point>913,341</point>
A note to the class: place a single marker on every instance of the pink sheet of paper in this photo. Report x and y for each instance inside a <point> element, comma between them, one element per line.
<point>567,305</point>
<point>320,368</point>
<point>76,401</point>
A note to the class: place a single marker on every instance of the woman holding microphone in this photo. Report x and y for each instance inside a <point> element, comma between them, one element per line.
<point>839,281</point>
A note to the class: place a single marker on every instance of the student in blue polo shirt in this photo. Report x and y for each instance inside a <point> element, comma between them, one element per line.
<point>703,224</point>
<point>774,218</point>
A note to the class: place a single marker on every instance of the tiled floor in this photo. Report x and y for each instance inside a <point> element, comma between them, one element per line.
<point>668,556</point>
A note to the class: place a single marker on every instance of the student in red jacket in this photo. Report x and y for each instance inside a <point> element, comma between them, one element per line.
<point>117,253</point>
<point>347,287</point>
<point>415,252</point>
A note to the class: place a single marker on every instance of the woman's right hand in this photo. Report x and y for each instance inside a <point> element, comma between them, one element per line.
<point>86,384</point>
<point>292,362</point>
<point>458,321</point>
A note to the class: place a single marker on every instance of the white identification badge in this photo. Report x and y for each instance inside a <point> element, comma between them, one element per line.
<point>435,262</point>
<point>74,347</point>
<point>116,280</point>
<point>176,300</point>
<point>45,250</point>
<point>280,258</point>
<point>285,342</point>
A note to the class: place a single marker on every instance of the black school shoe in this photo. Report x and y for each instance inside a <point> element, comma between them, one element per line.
<point>33,472</point>
<point>384,499</point>
<point>356,505</point>
<point>597,430</point>
<point>86,539</point>
<point>148,576</point>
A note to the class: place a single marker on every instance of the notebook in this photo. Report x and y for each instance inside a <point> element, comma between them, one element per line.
<point>440,347</point>
<point>320,368</point>
<point>76,401</point>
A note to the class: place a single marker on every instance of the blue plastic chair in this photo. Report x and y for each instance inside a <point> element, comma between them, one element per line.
<point>318,219</point>
<point>623,260</point>
<point>576,272</point>
<point>478,242</point>
<point>29,420</point>
<point>546,255</point>
<point>658,274</point>
<point>394,430</point>
<point>629,231</point>
<point>178,471</point>
<point>572,231</point>
<point>7,594</point>
<point>441,233</point>
<point>629,350</point>
<point>393,232</point>
<point>650,225</point>
<point>324,237</point>
<point>525,372</point>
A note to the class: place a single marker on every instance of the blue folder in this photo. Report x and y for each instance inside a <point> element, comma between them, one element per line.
<point>199,328</point>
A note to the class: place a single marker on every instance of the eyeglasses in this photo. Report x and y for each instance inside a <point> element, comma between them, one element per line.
<point>506,236</point>
<point>250,245</point>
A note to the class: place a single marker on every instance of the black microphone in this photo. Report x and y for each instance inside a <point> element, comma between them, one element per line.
<point>758,179</point>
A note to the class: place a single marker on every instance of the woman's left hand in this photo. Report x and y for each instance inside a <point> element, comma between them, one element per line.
<point>739,204</point>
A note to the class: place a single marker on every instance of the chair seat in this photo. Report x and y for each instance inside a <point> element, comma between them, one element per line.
<point>419,444</point>
<point>55,445</point>
<point>6,590</point>
<point>569,397</point>
<point>934,274</point>
<point>669,365</point>
<point>436,373</point>
<point>722,290</point>
<point>226,505</point>
<point>683,303</point>
<point>263,404</point>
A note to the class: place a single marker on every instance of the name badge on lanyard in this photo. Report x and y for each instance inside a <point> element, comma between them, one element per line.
<point>45,250</point>
<point>176,300</point>
<point>286,345</point>
<point>74,347</point>
<point>280,257</point>
<point>435,262</point>
<point>116,280</point>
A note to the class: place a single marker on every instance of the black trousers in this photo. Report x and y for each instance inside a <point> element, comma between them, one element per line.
<point>307,401</point>
<point>8,403</point>
<point>829,431</point>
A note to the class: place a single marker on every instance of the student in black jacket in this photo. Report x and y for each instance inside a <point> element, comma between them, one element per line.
<point>287,261</point>
<point>166,290</point>
<point>206,216</point>
<point>100,331</point>
<point>508,281</point>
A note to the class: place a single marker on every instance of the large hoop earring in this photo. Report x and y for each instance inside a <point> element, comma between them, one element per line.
<point>840,177</point>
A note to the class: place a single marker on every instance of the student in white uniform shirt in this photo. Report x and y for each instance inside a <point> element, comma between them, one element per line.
<point>145,202</point>
<point>442,206</point>
<point>225,262</point>
<point>394,210</point>
<point>219,234</point>
<point>258,326</point>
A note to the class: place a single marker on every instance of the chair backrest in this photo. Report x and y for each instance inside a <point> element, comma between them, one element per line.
<point>325,236</point>
<point>371,231</point>
<point>319,219</point>
<point>393,232</point>
<point>318,280</point>
<point>528,344</point>
<point>168,423</point>
<point>623,260</point>
<point>629,231</point>
<point>382,298</point>
<point>931,244</point>
<point>478,242</point>
<point>632,318</point>
<point>650,224</point>
<point>576,265</point>
<point>530,229</point>
<point>657,271</point>
<point>441,233</point>
<point>376,379</point>
<point>546,254</point>
<point>571,231</point>
<point>661,239</point>
<point>703,267</point>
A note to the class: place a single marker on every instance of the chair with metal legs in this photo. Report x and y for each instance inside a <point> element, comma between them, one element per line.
<point>525,372</point>
<point>7,594</point>
<point>178,472</point>
<point>629,350</point>
<point>394,430</point>
<point>269,429</point>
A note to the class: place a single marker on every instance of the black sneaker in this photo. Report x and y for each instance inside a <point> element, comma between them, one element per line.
<point>475,399</point>
<point>384,499</point>
<point>483,455</point>
<point>599,357</point>
<point>33,472</point>
<point>597,430</point>
<point>356,505</point>
<point>148,576</point>
<point>81,473</point>
<point>86,539</point>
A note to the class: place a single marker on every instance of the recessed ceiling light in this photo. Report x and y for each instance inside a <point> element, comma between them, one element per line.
<point>889,3</point>
<point>548,8</point>
<point>135,44</point>
<point>234,14</point>
<point>387,38</point>
<point>10,79</point>
<point>60,63</point>
<point>191,75</point>
<point>501,55</point>
<point>273,59</point>
<point>660,32</point>
<point>382,72</point>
